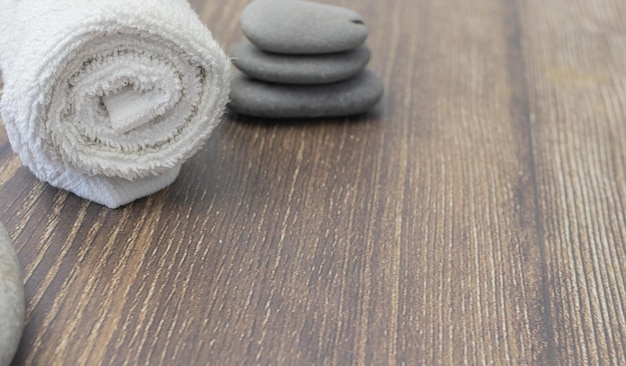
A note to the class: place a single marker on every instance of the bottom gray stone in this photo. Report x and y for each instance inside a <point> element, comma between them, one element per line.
<point>11,299</point>
<point>269,100</point>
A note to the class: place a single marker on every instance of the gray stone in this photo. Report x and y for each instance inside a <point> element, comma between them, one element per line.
<point>11,299</point>
<point>262,99</point>
<point>302,27</point>
<point>299,69</point>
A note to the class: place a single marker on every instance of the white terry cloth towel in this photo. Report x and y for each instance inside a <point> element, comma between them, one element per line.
<point>107,98</point>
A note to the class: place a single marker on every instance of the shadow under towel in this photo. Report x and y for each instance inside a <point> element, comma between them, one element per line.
<point>107,98</point>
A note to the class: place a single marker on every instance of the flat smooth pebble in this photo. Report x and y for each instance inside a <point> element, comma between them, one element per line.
<point>299,69</point>
<point>302,27</point>
<point>11,299</point>
<point>261,99</point>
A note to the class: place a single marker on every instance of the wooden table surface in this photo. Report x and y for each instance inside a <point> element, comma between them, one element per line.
<point>476,216</point>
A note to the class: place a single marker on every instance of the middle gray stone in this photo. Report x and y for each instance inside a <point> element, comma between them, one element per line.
<point>299,69</point>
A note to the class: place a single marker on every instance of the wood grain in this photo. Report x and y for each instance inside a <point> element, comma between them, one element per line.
<point>476,216</point>
<point>575,52</point>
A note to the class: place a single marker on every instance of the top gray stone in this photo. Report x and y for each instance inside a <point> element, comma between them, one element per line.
<point>302,27</point>
<point>11,299</point>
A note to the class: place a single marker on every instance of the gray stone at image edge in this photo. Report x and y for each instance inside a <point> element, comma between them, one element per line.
<point>11,299</point>
<point>302,27</point>
<point>260,99</point>
<point>299,69</point>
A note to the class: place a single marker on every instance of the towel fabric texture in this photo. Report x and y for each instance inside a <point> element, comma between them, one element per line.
<point>108,98</point>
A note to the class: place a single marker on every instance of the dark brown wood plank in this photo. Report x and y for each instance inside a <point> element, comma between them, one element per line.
<point>475,216</point>
<point>403,236</point>
<point>471,290</point>
<point>574,54</point>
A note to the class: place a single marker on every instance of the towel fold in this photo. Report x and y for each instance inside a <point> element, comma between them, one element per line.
<point>107,98</point>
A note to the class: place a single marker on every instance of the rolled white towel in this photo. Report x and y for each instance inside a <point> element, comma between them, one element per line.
<point>107,98</point>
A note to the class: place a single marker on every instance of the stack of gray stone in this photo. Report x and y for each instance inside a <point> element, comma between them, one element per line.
<point>303,60</point>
